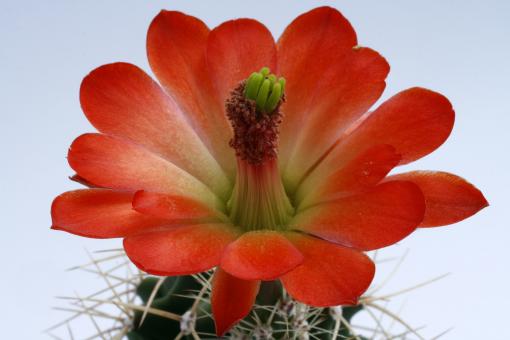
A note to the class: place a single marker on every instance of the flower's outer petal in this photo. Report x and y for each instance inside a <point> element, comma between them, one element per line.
<point>359,175</point>
<point>330,275</point>
<point>231,299</point>
<point>116,163</point>
<point>345,91</point>
<point>176,48</point>
<point>122,100</point>
<point>171,207</point>
<point>100,213</point>
<point>448,198</point>
<point>237,48</point>
<point>376,219</point>
<point>260,255</point>
<point>415,122</point>
<point>180,251</point>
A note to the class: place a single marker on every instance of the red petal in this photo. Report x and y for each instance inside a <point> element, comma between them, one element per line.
<point>260,255</point>
<point>415,121</point>
<point>345,91</point>
<point>171,207</point>
<point>116,163</point>
<point>181,251</point>
<point>331,275</point>
<point>100,213</point>
<point>359,175</point>
<point>122,100</point>
<point>373,220</point>
<point>448,198</point>
<point>237,48</point>
<point>349,83</point>
<point>231,299</point>
<point>176,48</point>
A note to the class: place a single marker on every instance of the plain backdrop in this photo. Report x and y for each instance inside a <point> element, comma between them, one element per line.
<point>459,48</point>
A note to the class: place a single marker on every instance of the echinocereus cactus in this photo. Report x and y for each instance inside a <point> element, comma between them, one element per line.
<point>259,159</point>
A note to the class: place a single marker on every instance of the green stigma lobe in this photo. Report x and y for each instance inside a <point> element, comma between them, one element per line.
<point>263,94</point>
<point>282,82</point>
<point>253,85</point>
<point>265,71</point>
<point>274,98</point>
<point>265,89</point>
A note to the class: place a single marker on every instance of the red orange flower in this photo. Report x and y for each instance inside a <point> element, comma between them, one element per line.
<point>163,176</point>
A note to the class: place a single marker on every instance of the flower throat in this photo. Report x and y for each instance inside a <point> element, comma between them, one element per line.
<point>258,200</point>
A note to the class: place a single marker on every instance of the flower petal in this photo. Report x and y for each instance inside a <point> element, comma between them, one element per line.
<point>231,299</point>
<point>181,251</point>
<point>115,163</point>
<point>100,213</point>
<point>359,175</point>
<point>372,220</point>
<point>345,91</point>
<point>171,207</point>
<point>176,48</point>
<point>260,255</point>
<point>350,81</point>
<point>331,275</point>
<point>415,121</point>
<point>237,48</point>
<point>448,198</point>
<point>122,100</point>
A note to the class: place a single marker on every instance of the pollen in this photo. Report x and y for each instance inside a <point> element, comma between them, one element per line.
<point>255,127</point>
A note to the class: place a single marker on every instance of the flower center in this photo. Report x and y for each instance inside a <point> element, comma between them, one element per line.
<point>258,200</point>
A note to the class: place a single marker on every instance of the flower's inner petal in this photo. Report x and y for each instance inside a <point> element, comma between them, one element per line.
<point>260,255</point>
<point>176,48</point>
<point>231,299</point>
<point>121,100</point>
<point>328,82</point>
<point>116,163</point>
<point>101,213</point>
<point>448,198</point>
<point>172,207</point>
<point>181,251</point>
<point>344,91</point>
<point>415,122</point>
<point>330,275</point>
<point>376,219</point>
<point>359,175</point>
<point>235,49</point>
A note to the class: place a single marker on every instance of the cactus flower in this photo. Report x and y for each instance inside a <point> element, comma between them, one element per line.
<point>261,159</point>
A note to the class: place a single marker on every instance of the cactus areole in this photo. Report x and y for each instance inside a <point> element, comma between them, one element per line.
<point>264,160</point>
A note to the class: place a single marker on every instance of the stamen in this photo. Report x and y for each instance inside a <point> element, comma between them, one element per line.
<point>253,110</point>
<point>259,200</point>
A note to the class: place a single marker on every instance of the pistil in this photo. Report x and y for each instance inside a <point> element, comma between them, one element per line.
<point>258,200</point>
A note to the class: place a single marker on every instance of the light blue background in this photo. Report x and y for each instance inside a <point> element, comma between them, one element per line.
<point>460,48</point>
